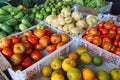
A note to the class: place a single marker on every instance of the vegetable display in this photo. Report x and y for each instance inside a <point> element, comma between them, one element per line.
<point>71,22</point>
<point>14,19</point>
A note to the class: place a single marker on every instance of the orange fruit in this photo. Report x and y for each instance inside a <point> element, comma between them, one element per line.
<point>88,74</point>
<point>73,56</point>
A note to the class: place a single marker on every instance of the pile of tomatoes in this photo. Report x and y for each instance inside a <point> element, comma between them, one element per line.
<point>25,49</point>
<point>105,35</point>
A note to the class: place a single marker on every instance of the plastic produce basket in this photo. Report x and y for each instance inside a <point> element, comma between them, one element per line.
<point>33,70</point>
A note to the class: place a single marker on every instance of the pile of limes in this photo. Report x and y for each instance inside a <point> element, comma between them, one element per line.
<point>49,7</point>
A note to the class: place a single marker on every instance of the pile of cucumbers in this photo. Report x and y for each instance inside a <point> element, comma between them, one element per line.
<point>53,7</point>
<point>14,19</point>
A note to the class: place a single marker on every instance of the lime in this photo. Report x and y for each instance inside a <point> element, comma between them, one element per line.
<point>48,9</point>
<point>97,60</point>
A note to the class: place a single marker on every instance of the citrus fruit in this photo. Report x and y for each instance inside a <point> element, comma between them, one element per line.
<point>88,74</point>
<point>103,75</point>
<point>57,77</point>
<point>97,60</point>
<point>86,58</point>
<point>47,71</point>
<point>59,71</point>
<point>73,56</point>
<point>80,50</point>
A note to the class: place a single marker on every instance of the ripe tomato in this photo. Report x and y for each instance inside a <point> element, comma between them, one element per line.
<point>36,55</point>
<point>5,42</point>
<point>106,39</point>
<point>100,25</point>
<point>23,37</point>
<point>117,37</point>
<point>111,36</point>
<point>15,39</point>
<point>117,51</point>
<point>44,41</point>
<point>111,31</point>
<point>48,32</point>
<point>104,31</point>
<point>39,33</point>
<point>51,48</point>
<point>33,39</point>
<point>93,31</point>
<point>107,26</point>
<point>116,43</point>
<point>87,32</point>
<point>28,33</point>
<point>111,21</point>
<point>106,46</point>
<point>59,45</point>
<point>38,46</point>
<point>16,59</point>
<point>19,48</point>
<point>97,40</point>
<point>88,38</point>
<point>55,38</point>
<point>27,62</point>
<point>26,44</point>
<point>112,48</point>
<point>7,52</point>
<point>118,30</point>
<point>29,51</point>
<point>114,27</point>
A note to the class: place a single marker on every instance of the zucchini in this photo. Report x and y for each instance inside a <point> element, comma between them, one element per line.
<point>5,18</point>
<point>6,28</point>
<point>22,27</point>
<point>15,10</point>
<point>11,22</point>
<point>16,28</point>
<point>2,34</point>
<point>3,12</point>
<point>32,16</point>
<point>26,22</point>
<point>19,15</point>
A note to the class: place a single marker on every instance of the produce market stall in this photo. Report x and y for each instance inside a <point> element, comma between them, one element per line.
<point>59,39</point>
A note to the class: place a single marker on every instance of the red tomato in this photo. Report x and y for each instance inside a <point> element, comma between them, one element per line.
<point>106,40</point>
<point>111,31</point>
<point>29,51</point>
<point>106,46</point>
<point>111,36</point>
<point>19,48</point>
<point>33,39</point>
<point>51,48</point>
<point>39,46</point>
<point>104,31</point>
<point>15,39</point>
<point>117,37</point>
<point>44,41</point>
<point>48,32</point>
<point>36,55</point>
<point>88,38</point>
<point>27,44</point>
<point>59,45</point>
<point>98,33</point>
<point>93,31</point>
<point>55,38</point>
<point>27,62</point>
<point>5,42</point>
<point>97,40</point>
<point>114,27</point>
<point>87,32</point>
<point>116,43</point>
<point>107,26</point>
<point>39,33</point>
<point>100,25</point>
<point>7,52</point>
<point>111,21</point>
<point>112,48</point>
<point>28,33</point>
<point>16,59</point>
<point>117,51</point>
<point>118,30</point>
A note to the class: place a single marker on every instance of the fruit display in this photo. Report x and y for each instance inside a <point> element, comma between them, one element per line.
<point>32,45</point>
<point>70,67</point>
<point>105,35</point>
<point>49,7</point>
<point>14,19</point>
<point>71,22</point>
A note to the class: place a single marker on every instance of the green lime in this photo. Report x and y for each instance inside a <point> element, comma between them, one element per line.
<point>39,16</point>
<point>97,60</point>
<point>48,9</point>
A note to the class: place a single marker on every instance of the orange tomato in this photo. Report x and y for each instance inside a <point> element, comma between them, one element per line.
<point>7,52</point>
<point>39,33</point>
<point>5,42</point>
<point>28,33</point>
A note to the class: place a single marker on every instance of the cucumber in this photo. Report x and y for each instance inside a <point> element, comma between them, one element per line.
<point>2,34</point>
<point>19,15</point>
<point>26,22</point>
<point>5,18</point>
<point>6,28</point>
<point>16,28</point>
<point>11,22</point>
<point>3,12</point>
<point>22,27</point>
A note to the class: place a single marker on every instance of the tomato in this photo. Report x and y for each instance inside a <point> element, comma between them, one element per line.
<point>116,43</point>
<point>107,26</point>
<point>48,32</point>
<point>5,42</point>
<point>106,46</point>
<point>104,31</point>
<point>111,36</point>
<point>29,51</point>
<point>111,31</point>
<point>26,44</point>
<point>93,31</point>
<point>98,33</point>
<point>97,40</point>
<point>112,48</point>
<point>117,51</point>
<point>106,40</point>
<point>36,55</point>
<point>19,48</point>
<point>16,59</point>
<point>87,32</point>
<point>51,48</point>
<point>28,33</point>
<point>7,52</point>
<point>111,21</point>
<point>55,38</point>
<point>15,39</point>
<point>100,25</point>
<point>27,62</point>
<point>33,39</point>
<point>44,41</point>
<point>119,43</point>
<point>59,45</point>
<point>114,27</point>
<point>88,38</point>
<point>117,37</point>
<point>15,68</point>
<point>39,33</point>
<point>23,37</point>
<point>118,30</point>
<point>38,46</point>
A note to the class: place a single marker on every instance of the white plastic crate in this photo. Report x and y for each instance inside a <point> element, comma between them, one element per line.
<point>34,70</point>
